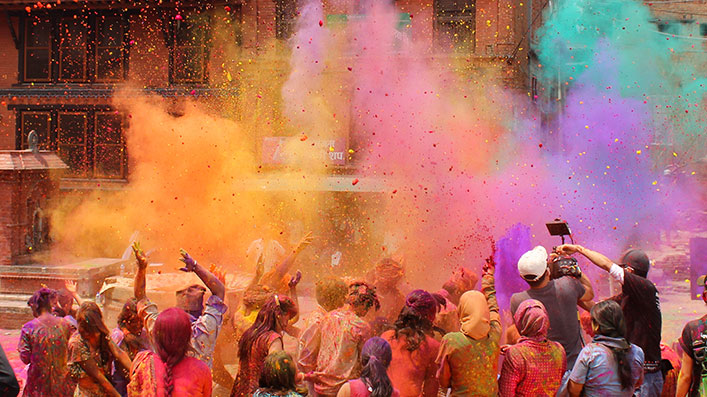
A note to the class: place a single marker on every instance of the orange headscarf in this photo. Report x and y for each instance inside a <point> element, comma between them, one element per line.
<point>474,315</point>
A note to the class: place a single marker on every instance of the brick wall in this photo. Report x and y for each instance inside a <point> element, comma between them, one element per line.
<point>8,77</point>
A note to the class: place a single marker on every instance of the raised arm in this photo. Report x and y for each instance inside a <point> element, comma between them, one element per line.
<point>141,261</point>
<point>489,290</point>
<point>259,271</point>
<point>285,266</point>
<point>212,282</point>
<point>73,290</point>
<point>596,258</point>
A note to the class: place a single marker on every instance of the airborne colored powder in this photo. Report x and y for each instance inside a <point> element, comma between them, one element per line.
<point>448,158</point>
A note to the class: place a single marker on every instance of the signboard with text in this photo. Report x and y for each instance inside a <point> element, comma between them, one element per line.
<point>278,150</point>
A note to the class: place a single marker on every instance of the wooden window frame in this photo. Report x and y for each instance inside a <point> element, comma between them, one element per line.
<point>60,145</point>
<point>122,144</point>
<point>171,34</point>
<point>54,113</point>
<point>441,20</point>
<point>92,20</point>
<point>25,49</point>
<point>21,141</point>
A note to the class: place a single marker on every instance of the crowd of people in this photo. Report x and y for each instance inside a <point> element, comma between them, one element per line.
<point>367,338</point>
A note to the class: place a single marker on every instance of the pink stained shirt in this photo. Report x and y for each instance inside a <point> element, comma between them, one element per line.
<point>191,377</point>
<point>413,372</point>
<point>343,334</point>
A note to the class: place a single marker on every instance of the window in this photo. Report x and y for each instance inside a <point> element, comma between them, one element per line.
<point>39,122</point>
<point>78,47</point>
<point>37,49</point>
<point>110,49</point>
<point>285,18</point>
<point>703,29</point>
<point>89,140</point>
<point>188,44</point>
<point>455,25</point>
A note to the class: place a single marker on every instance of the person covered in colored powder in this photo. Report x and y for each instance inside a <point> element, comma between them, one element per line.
<point>91,354</point>
<point>692,380</point>
<point>671,370</point>
<point>206,322</point>
<point>461,281</point>
<point>331,294</point>
<point>169,371</point>
<point>278,278</point>
<point>610,365</point>
<point>262,338</point>
<point>43,345</point>
<point>387,276</point>
<point>468,360</point>
<point>64,305</point>
<point>535,365</point>
<point>342,335</point>
<point>278,376</point>
<point>413,370</point>
<point>128,335</point>
<point>376,356</point>
<point>640,304</point>
<point>560,297</point>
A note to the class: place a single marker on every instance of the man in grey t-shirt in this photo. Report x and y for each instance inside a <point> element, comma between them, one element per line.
<point>560,297</point>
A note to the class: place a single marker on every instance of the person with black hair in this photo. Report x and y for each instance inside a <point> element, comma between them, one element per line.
<point>640,304</point>
<point>413,370</point>
<point>610,365</point>
<point>374,381</point>
<point>44,346</point>
<point>278,376</point>
<point>262,338</point>
<point>342,334</point>
<point>129,336</point>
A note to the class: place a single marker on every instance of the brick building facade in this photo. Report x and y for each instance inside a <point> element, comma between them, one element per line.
<point>63,60</point>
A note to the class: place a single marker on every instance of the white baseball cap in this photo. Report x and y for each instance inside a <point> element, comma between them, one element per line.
<point>532,264</point>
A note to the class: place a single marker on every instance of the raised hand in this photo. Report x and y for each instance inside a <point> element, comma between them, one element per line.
<point>567,249</point>
<point>490,265</point>
<point>306,241</point>
<point>189,262</point>
<point>260,267</point>
<point>140,256</point>
<point>219,273</point>
<point>71,286</point>
<point>295,279</point>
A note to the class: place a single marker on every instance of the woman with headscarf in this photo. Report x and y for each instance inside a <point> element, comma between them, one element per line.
<point>44,345</point>
<point>168,371</point>
<point>610,365</point>
<point>535,365</point>
<point>468,360</point>
<point>413,370</point>
<point>374,382</point>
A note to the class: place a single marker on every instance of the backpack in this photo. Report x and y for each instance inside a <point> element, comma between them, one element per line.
<point>699,350</point>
